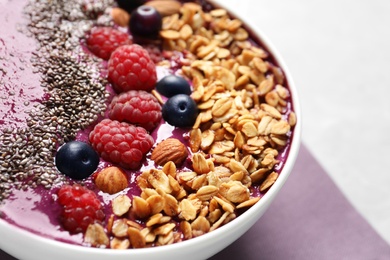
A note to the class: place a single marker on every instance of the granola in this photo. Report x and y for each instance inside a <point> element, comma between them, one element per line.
<point>234,142</point>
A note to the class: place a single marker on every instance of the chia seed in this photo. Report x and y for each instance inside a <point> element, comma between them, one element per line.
<point>75,89</point>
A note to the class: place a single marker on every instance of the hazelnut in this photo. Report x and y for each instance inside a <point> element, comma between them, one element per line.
<point>111,180</point>
<point>120,16</point>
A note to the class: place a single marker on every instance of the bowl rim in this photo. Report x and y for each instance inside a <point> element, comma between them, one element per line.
<point>266,199</point>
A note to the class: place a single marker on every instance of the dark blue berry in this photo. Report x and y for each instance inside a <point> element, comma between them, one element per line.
<point>180,110</point>
<point>172,85</point>
<point>78,160</point>
<point>145,21</point>
<point>130,5</point>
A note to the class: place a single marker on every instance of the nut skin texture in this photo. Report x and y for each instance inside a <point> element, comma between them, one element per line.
<point>170,149</point>
<point>111,180</point>
<point>120,16</point>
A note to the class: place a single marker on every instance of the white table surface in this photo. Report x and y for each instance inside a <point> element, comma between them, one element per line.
<point>338,53</point>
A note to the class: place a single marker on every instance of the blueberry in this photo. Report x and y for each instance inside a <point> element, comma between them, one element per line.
<point>130,5</point>
<point>78,160</point>
<point>172,85</point>
<point>145,21</point>
<point>180,110</point>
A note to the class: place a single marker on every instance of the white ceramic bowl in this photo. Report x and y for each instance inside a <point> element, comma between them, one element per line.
<point>25,245</point>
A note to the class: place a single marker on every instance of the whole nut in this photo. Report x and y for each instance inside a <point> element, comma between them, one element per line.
<point>165,7</point>
<point>170,149</point>
<point>111,180</point>
<point>120,16</point>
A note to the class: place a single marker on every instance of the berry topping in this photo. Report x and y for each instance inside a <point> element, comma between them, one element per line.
<point>81,207</point>
<point>180,110</point>
<point>76,159</point>
<point>137,107</point>
<point>102,41</point>
<point>145,21</point>
<point>172,85</point>
<point>121,143</point>
<point>131,68</point>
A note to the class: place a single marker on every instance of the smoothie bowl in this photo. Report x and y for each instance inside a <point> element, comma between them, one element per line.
<point>138,129</point>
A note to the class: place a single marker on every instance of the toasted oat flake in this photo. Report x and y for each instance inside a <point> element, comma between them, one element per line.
<point>292,119</point>
<point>220,221</point>
<point>119,228</point>
<point>159,180</point>
<point>206,193</point>
<point>248,203</point>
<point>229,207</point>
<point>117,243</point>
<point>269,181</point>
<point>164,229</point>
<point>200,226</point>
<point>170,34</point>
<point>121,204</point>
<point>187,210</point>
<point>171,205</point>
<point>96,236</point>
<point>137,240</point>
<point>156,203</point>
<point>218,12</point>
<point>141,207</point>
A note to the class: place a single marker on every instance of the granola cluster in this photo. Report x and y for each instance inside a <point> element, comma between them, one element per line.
<point>244,121</point>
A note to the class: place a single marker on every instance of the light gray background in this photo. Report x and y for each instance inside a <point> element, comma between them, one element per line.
<point>338,53</point>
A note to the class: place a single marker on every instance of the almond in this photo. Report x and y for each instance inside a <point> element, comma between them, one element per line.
<point>111,180</point>
<point>170,149</point>
<point>120,16</point>
<point>165,7</point>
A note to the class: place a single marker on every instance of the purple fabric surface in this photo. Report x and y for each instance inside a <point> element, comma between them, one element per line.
<point>309,219</point>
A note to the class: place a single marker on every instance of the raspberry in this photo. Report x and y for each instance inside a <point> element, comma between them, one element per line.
<point>131,68</point>
<point>81,207</point>
<point>102,41</point>
<point>137,107</point>
<point>121,143</point>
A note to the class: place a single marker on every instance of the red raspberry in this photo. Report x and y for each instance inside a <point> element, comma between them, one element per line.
<point>81,207</point>
<point>102,41</point>
<point>131,68</point>
<point>121,143</point>
<point>137,107</point>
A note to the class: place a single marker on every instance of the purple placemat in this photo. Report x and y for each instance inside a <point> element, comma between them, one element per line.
<point>309,219</point>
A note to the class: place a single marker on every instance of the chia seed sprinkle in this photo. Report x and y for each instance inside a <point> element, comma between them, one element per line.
<point>76,92</point>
